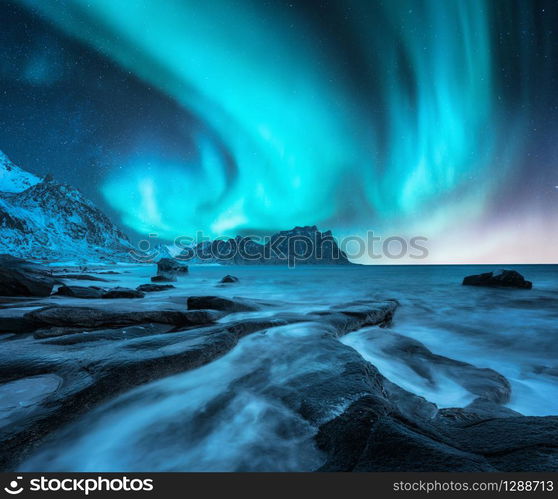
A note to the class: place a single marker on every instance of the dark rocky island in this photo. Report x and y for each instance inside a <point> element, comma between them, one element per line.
<point>299,246</point>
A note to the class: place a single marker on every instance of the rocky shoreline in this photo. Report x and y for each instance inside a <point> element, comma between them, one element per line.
<point>64,360</point>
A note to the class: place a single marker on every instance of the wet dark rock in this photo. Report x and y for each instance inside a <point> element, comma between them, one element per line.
<point>145,352</point>
<point>352,316</point>
<point>547,370</point>
<point>485,383</point>
<point>75,336</point>
<point>371,436</point>
<point>500,279</point>
<point>55,332</point>
<point>150,288</point>
<point>488,409</point>
<point>123,293</point>
<point>94,292</point>
<point>82,356</point>
<point>220,303</point>
<point>171,265</point>
<point>344,438</point>
<point>13,321</point>
<point>21,278</point>
<point>478,410</point>
<point>122,356</point>
<point>170,268</point>
<point>25,392</point>
<point>245,327</point>
<point>335,375</point>
<point>163,278</point>
<point>228,279</point>
<point>97,317</point>
<point>85,292</point>
<point>81,277</point>
<point>396,445</point>
<point>410,405</point>
<point>515,444</point>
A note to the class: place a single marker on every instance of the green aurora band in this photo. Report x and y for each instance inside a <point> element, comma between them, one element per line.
<point>287,136</point>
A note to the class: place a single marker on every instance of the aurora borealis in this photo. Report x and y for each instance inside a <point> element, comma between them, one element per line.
<point>407,117</point>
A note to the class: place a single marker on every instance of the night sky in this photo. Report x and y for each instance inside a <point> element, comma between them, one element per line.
<point>407,117</point>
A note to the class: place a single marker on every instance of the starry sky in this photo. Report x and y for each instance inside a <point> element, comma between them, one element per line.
<point>404,117</point>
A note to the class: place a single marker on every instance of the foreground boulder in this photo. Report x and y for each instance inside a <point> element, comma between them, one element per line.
<point>21,278</point>
<point>499,279</point>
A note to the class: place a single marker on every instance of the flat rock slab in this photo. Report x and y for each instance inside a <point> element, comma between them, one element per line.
<point>84,292</point>
<point>98,365</point>
<point>76,336</point>
<point>220,303</point>
<point>100,353</point>
<point>81,277</point>
<point>25,392</point>
<point>360,421</point>
<point>95,292</point>
<point>356,315</point>
<point>97,317</point>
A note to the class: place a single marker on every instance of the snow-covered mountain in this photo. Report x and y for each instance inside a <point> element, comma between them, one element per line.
<point>13,178</point>
<point>44,219</point>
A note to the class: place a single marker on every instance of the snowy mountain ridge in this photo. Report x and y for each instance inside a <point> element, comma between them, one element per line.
<point>42,219</point>
<point>13,178</point>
